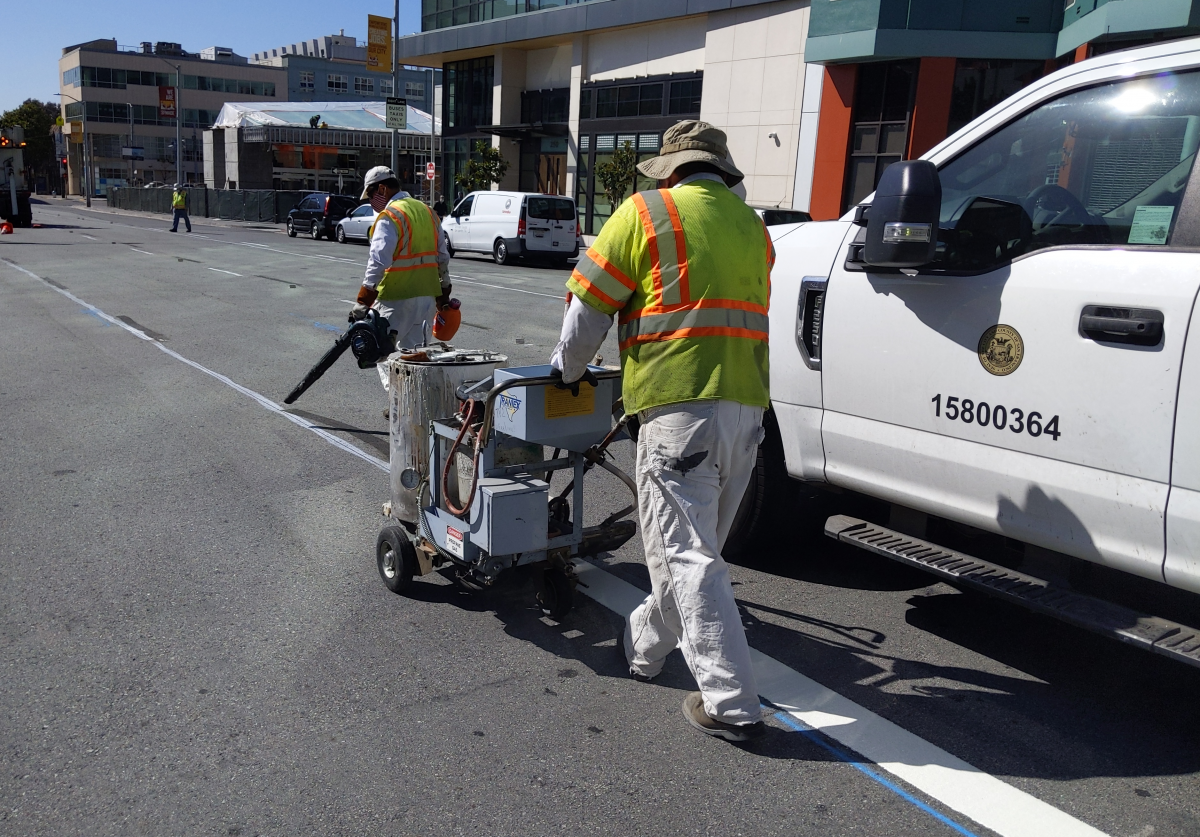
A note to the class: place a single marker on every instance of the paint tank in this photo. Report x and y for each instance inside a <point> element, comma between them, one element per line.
<point>422,388</point>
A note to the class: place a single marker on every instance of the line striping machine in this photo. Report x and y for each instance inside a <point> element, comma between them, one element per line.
<point>471,491</point>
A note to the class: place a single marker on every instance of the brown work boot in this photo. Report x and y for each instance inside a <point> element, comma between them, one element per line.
<point>693,710</point>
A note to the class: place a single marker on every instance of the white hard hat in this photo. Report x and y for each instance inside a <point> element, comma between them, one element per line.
<point>376,176</point>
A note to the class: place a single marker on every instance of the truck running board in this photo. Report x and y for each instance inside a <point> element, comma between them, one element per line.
<point>1161,636</point>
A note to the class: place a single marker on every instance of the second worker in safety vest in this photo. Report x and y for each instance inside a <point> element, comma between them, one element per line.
<point>408,267</point>
<point>687,269</point>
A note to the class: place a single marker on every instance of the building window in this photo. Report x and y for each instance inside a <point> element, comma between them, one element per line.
<point>336,83</point>
<point>307,80</point>
<point>71,77</point>
<point>629,100</point>
<point>385,87</point>
<point>546,105</point>
<point>414,89</point>
<point>364,85</point>
<point>685,97</point>
<point>468,97</point>
<point>981,84</point>
<point>880,123</point>
<point>594,207</point>
<point>585,104</point>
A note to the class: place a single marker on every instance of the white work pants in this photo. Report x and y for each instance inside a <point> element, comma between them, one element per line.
<point>408,319</point>
<point>694,462</point>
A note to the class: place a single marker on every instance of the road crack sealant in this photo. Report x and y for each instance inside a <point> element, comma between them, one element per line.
<point>800,703</point>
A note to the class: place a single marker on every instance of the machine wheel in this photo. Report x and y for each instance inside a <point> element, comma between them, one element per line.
<point>555,593</point>
<point>396,559</point>
<point>291,231</point>
<point>341,235</point>
<point>500,252</point>
<point>314,232</point>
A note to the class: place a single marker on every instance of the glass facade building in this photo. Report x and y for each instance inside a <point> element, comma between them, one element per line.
<point>438,14</point>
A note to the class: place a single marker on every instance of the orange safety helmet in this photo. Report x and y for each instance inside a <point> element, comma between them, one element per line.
<point>447,321</point>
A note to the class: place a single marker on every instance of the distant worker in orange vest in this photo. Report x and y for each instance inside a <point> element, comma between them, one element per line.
<point>687,267</point>
<point>408,267</point>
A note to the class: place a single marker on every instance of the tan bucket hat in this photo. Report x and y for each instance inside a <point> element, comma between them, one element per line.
<point>691,141</point>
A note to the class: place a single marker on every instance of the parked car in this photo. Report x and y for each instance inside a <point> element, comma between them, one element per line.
<point>774,216</point>
<point>317,214</point>
<point>154,184</point>
<point>515,225</point>
<point>356,225</point>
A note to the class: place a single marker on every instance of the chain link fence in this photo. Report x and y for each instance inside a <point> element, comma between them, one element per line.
<point>261,205</point>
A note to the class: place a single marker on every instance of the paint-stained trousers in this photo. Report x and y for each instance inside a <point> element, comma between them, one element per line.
<point>694,461</point>
<point>408,321</point>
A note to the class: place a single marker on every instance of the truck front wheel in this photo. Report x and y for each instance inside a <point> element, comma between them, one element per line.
<point>766,496</point>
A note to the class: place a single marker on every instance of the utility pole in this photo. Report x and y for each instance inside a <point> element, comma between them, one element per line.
<point>432,136</point>
<point>178,126</point>
<point>130,106</point>
<point>396,80</point>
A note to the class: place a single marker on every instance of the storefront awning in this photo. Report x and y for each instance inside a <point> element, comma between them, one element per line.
<point>527,130</point>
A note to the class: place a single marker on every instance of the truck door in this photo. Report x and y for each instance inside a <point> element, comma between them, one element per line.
<point>459,228</point>
<point>1025,382</point>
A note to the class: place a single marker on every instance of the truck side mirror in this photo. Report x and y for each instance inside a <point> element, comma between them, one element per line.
<point>902,225</point>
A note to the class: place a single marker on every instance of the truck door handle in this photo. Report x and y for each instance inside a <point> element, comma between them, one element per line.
<point>1132,326</point>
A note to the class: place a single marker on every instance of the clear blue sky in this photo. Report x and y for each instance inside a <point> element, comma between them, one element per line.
<point>34,33</point>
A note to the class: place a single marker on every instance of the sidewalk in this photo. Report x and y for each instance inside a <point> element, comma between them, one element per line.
<point>101,205</point>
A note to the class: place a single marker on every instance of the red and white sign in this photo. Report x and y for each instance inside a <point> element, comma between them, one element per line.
<point>166,103</point>
<point>454,541</point>
<point>430,171</point>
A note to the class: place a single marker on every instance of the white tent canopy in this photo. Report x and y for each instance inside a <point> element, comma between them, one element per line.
<point>352,116</point>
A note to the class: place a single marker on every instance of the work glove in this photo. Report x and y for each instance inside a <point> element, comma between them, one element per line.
<point>358,312</point>
<point>444,299</point>
<point>574,385</point>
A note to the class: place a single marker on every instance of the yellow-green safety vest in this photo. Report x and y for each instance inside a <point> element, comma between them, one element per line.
<point>178,200</point>
<point>689,271</point>
<point>414,268</point>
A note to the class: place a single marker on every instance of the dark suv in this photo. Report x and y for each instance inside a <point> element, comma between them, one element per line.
<point>317,214</point>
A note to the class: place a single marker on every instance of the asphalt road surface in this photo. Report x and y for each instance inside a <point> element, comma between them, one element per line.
<point>194,638</point>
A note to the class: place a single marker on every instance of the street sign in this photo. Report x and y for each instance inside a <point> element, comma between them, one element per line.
<point>430,171</point>
<point>379,43</point>
<point>133,153</point>
<point>343,171</point>
<point>397,113</point>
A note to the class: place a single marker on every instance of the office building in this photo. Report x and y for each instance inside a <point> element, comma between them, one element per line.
<point>817,98</point>
<point>114,91</point>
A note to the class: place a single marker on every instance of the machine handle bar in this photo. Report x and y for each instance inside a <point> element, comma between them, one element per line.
<point>546,380</point>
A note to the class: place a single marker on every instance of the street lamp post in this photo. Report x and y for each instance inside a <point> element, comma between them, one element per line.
<point>130,106</point>
<point>83,152</point>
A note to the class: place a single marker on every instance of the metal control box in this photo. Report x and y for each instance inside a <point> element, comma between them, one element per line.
<point>510,515</point>
<point>554,417</point>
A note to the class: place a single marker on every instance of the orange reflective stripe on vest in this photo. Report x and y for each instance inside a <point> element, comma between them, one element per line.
<point>668,247</point>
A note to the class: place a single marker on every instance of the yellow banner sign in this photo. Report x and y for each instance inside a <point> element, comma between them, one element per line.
<point>379,43</point>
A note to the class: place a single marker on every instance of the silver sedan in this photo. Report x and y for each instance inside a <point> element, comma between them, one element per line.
<point>356,225</point>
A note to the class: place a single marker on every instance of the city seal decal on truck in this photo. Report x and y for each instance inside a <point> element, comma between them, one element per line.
<point>1001,350</point>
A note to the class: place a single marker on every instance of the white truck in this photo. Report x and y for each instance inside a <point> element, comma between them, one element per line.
<point>1000,341</point>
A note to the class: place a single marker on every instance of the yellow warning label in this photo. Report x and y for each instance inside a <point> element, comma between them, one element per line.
<point>561,404</point>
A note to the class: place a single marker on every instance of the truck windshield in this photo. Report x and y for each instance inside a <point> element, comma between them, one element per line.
<point>1106,165</point>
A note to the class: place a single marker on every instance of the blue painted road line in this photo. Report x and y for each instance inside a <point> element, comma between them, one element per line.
<point>816,737</point>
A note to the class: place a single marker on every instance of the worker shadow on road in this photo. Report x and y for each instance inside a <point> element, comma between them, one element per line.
<point>377,440</point>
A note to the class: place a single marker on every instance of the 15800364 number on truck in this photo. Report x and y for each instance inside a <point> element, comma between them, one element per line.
<point>998,338</point>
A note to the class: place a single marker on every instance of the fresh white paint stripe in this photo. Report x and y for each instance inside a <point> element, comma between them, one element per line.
<point>559,297</point>
<point>218,270</point>
<point>261,400</point>
<point>938,774</point>
<point>136,250</point>
<point>930,769</point>
<point>89,237</point>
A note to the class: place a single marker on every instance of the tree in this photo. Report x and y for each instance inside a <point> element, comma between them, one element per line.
<point>486,166</point>
<point>37,118</point>
<point>616,175</point>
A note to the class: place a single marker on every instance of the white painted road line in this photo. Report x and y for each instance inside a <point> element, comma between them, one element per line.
<point>559,297</point>
<point>89,237</point>
<point>261,400</point>
<point>136,250</point>
<point>930,769</point>
<point>951,781</point>
<point>218,270</point>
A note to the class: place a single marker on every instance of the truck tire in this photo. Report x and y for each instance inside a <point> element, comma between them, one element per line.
<point>767,495</point>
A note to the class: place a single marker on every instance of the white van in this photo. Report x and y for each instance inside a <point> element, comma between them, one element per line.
<point>513,225</point>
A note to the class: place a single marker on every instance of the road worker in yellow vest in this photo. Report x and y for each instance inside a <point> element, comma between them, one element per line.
<point>408,266</point>
<point>686,268</point>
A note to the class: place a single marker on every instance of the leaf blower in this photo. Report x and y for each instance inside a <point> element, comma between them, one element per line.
<point>367,339</point>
